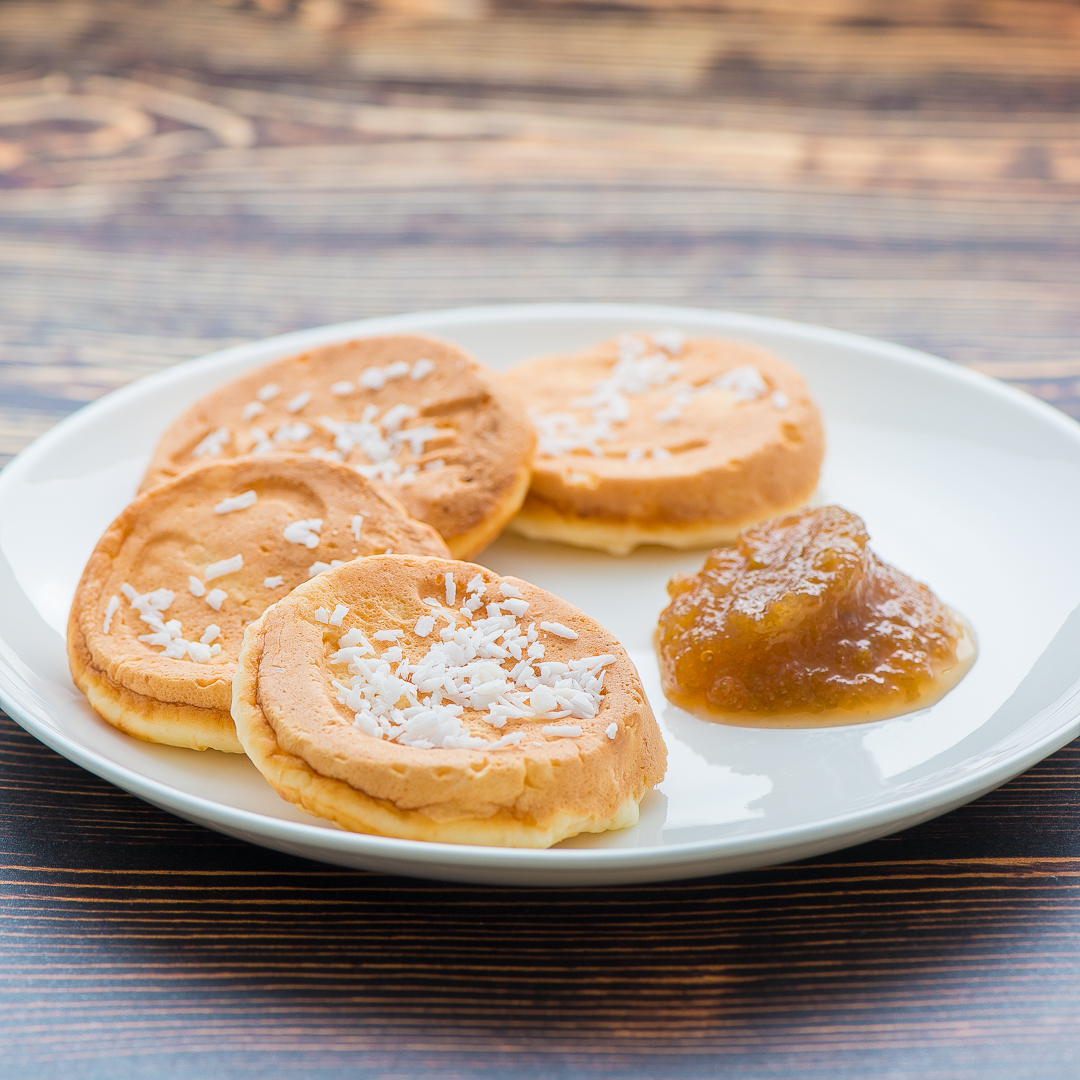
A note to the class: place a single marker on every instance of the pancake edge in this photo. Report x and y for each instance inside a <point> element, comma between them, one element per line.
<point>168,723</point>
<point>539,520</point>
<point>470,543</point>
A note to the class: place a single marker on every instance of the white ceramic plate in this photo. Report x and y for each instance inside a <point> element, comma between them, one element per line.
<point>963,482</point>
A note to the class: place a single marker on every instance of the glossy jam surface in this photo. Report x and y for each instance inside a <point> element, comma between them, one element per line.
<point>801,617</point>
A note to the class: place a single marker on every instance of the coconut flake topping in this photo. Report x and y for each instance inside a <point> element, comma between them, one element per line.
<point>420,704</point>
<point>216,597</point>
<point>225,566</point>
<point>236,502</point>
<point>214,444</point>
<point>304,532</point>
<point>110,610</point>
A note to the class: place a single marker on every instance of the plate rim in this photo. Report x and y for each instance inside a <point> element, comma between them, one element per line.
<point>587,865</point>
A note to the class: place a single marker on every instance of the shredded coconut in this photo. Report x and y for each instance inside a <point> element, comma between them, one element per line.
<point>566,731</point>
<point>291,432</point>
<point>253,409</point>
<point>210,633</point>
<point>672,341</point>
<point>321,615</point>
<point>214,444</point>
<point>342,389</point>
<point>236,502</point>
<point>357,525</point>
<point>304,532</point>
<point>298,402</point>
<point>559,630</point>
<point>166,635</point>
<point>421,369</point>
<point>451,589</point>
<point>636,372</point>
<point>225,566</point>
<point>318,567</point>
<point>274,582</point>
<point>216,597</point>
<point>611,730</point>
<point>339,613</point>
<point>780,400</point>
<point>420,704</point>
<point>110,610</point>
<point>268,392</point>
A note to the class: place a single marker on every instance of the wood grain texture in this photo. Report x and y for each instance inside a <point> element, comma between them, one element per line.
<point>182,175</point>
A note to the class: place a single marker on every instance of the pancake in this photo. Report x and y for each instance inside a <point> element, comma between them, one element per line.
<point>415,414</point>
<point>662,440</point>
<point>159,615</point>
<point>569,746</point>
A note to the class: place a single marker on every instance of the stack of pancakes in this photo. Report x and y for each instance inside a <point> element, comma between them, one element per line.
<point>287,583</point>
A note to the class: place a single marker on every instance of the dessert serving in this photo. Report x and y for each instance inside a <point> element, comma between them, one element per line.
<point>158,618</point>
<point>661,439</point>
<point>801,623</point>
<point>415,414</point>
<point>435,700</point>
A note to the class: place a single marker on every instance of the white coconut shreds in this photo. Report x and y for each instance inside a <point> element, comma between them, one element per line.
<point>421,369</point>
<point>295,432</point>
<point>168,635</point>
<point>375,378</point>
<point>318,567</point>
<point>225,566</point>
<point>342,389</point>
<point>611,730</point>
<point>339,614</point>
<point>451,589</point>
<point>251,410</point>
<point>195,586</point>
<point>110,610</point>
<point>216,597</point>
<point>304,532</point>
<point>298,402</point>
<point>214,444</point>
<point>780,400</point>
<point>420,704</point>
<point>236,502</point>
<point>357,525</point>
<point>559,630</point>
<point>381,440</point>
<point>274,582</point>
<point>268,392</point>
<point>637,371</point>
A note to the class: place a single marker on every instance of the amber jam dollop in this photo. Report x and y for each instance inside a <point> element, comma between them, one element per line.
<point>801,621</point>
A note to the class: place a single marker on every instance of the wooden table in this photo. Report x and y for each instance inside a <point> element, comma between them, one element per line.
<point>180,175</point>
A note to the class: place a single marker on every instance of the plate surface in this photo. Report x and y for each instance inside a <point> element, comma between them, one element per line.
<point>963,482</point>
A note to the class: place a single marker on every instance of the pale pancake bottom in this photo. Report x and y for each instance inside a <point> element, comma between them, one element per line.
<point>168,722</point>
<point>539,520</point>
<point>334,800</point>
<point>935,689</point>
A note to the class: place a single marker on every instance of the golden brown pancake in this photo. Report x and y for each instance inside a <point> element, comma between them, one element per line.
<point>415,414</point>
<point>663,440</point>
<point>159,615</point>
<point>369,696</point>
